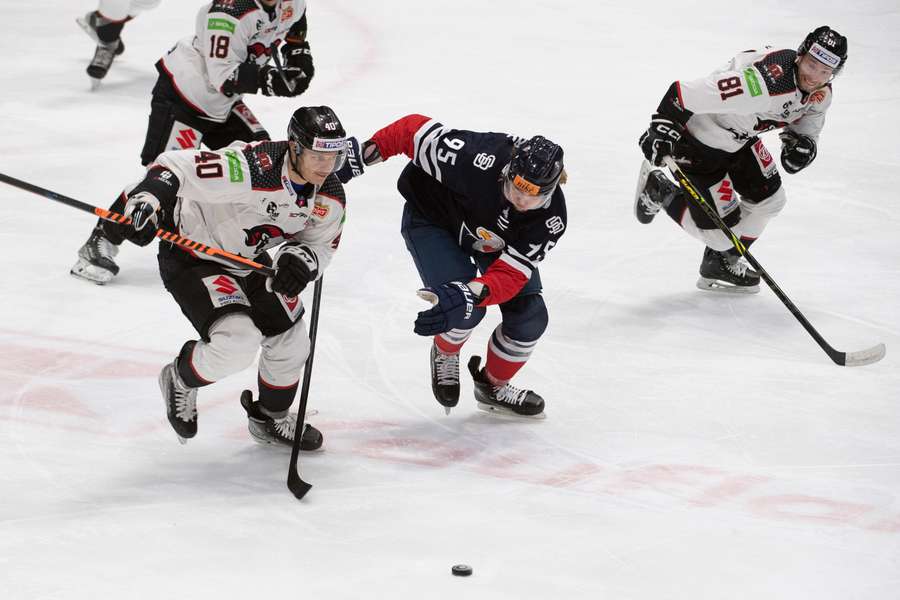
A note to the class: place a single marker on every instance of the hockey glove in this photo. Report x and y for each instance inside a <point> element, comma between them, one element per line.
<point>660,139</point>
<point>298,56</point>
<point>797,151</point>
<point>141,208</point>
<point>272,84</point>
<point>453,308</point>
<point>296,266</point>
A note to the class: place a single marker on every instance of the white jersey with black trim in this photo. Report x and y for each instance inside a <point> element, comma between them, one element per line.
<point>753,93</point>
<point>240,199</point>
<point>228,33</point>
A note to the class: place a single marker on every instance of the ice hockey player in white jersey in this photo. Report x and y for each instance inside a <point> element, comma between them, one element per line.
<point>104,25</point>
<point>710,127</point>
<point>246,199</point>
<point>198,97</point>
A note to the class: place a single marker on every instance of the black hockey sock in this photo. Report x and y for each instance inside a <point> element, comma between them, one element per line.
<point>676,206</point>
<point>185,371</point>
<point>276,400</point>
<point>110,32</point>
<point>113,231</point>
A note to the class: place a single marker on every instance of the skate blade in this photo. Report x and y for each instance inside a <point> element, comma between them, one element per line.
<point>88,272</point>
<point>95,83</point>
<point>501,411</point>
<point>644,174</point>
<point>181,440</point>
<point>446,410</point>
<point>715,285</point>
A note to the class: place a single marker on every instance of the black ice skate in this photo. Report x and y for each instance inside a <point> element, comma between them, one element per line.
<point>102,61</point>
<point>724,272</point>
<point>445,378</point>
<point>654,191</point>
<point>181,402</point>
<point>265,429</point>
<point>95,259</point>
<point>504,399</point>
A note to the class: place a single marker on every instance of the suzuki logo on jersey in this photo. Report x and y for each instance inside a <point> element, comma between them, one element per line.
<point>260,236</point>
<point>224,290</point>
<point>725,191</point>
<point>225,285</point>
<point>186,138</point>
<point>484,161</point>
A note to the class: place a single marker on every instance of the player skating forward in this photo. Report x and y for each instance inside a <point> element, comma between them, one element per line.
<point>710,127</point>
<point>476,202</point>
<point>104,25</point>
<point>198,97</point>
<point>245,199</point>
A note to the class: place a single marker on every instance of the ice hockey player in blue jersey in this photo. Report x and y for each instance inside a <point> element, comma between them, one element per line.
<point>487,203</point>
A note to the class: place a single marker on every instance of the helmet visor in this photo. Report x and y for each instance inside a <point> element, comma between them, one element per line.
<point>326,155</point>
<point>525,195</point>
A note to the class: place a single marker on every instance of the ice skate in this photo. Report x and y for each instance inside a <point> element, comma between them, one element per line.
<point>89,24</point>
<point>95,259</point>
<point>181,402</point>
<point>504,399</point>
<point>445,378</point>
<point>722,272</point>
<point>265,429</point>
<point>654,191</point>
<point>102,61</point>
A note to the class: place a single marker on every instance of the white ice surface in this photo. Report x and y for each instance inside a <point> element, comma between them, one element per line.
<point>696,445</point>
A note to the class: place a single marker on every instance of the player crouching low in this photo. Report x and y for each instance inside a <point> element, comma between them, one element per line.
<point>245,199</point>
<point>476,202</point>
<point>710,127</point>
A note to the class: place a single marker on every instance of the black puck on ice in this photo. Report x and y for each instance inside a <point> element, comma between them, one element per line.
<point>461,570</point>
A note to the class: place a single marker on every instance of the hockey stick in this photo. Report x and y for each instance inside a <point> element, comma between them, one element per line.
<point>849,359</point>
<point>184,243</point>
<point>290,86</point>
<point>297,486</point>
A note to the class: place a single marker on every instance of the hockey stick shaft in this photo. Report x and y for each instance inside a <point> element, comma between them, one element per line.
<point>182,242</point>
<point>868,356</point>
<point>277,60</point>
<point>295,483</point>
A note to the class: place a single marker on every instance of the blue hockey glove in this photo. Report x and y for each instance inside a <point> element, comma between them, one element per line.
<point>454,308</point>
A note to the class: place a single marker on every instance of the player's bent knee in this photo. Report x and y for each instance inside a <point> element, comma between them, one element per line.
<point>769,207</point>
<point>236,337</point>
<point>525,318</point>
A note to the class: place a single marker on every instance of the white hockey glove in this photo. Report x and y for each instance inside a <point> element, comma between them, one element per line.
<point>141,209</point>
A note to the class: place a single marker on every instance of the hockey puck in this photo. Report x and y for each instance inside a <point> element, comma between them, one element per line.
<point>461,570</point>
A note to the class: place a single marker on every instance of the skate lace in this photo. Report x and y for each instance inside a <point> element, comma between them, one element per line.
<point>739,267</point>
<point>510,394</point>
<point>104,55</point>
<point>185,400</point>
<point>650,206</point>
<point>286,426</point>
<point>102,247</point>
<point>447,367</point>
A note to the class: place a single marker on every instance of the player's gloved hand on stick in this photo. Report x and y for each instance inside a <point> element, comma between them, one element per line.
<point>141,208</point>
<point>272,84</point>
<point>295,267</point>
<point>454,308</point>
<point>660,139</point>
<point>298,56</point>
<point>797,151</point>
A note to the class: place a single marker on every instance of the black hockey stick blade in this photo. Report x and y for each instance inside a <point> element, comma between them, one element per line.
<point>863,357</point>
<point>297,486</point>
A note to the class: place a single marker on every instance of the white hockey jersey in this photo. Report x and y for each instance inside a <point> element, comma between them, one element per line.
<point>228,33</point>
<point>753,93</point>
<point>240,199</point>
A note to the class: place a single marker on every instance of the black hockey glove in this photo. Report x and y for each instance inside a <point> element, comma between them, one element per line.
<point>141,208</point>
<point>453,308</point>
<point>298,56</point>
<point>660,139</point>
<point>358,159</point>
<point>272,84</point>
<point>797,151</point>
<point>296,266</point>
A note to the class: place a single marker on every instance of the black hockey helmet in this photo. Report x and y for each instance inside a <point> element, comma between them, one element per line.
<point>535,167</point>
<point>827,46</point>
<point>318,128</point>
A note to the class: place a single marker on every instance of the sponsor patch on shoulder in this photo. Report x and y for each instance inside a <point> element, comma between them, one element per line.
<point>321,210</point>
